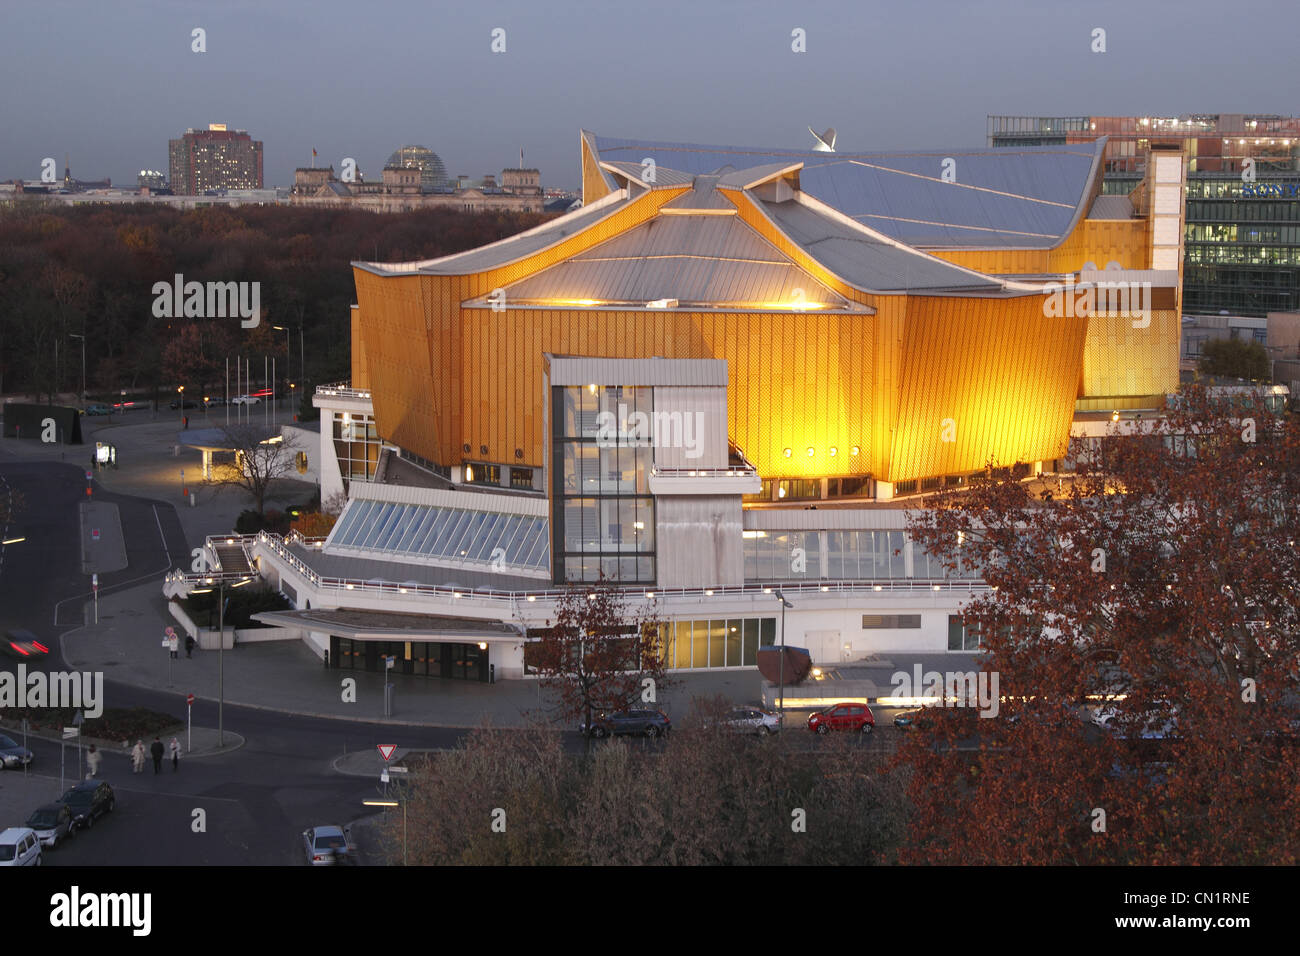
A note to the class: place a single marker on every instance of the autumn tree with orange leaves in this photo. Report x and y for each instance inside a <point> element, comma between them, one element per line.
<point>1160,592</point>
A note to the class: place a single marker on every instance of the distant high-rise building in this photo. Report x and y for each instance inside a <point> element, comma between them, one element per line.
<point>1242,242</point>
<point>151,179</point>
<point>215,158</point>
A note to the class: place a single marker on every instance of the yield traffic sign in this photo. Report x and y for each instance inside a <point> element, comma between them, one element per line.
<point>386,750</point>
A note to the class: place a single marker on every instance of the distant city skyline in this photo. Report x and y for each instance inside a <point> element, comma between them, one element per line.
<point>111,85</point>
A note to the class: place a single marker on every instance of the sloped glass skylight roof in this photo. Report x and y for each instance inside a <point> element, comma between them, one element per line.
<point>448,536</point>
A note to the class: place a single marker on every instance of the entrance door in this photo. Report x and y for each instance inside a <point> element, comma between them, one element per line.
<point>823,646</point>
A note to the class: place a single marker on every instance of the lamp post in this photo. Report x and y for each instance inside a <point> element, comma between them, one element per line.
<point>281,328</point>
<point>220,581</point>
<point>74,335</point>
<point>392,803</point>
<point>781,666</point>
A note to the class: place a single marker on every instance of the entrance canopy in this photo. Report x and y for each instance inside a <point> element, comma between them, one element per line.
<point>362,625</point>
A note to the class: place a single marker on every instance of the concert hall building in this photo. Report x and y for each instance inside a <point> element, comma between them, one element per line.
<point>730,373</point>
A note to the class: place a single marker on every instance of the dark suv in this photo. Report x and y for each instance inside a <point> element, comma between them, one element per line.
<point>651,723</point>
<point>88,801</point>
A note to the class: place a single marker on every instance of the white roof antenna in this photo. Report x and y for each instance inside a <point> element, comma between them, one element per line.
<point>826,141</point>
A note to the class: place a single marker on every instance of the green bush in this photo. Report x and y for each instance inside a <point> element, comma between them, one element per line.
<point>249,522</point>
<point>243,604</point>
<point>116,723</point>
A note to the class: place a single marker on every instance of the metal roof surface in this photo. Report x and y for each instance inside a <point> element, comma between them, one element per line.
<point>713,261</point>
<point>1111,207</point>
<point>871,262</point>
<point>506,250</point>
<point>1026,197</point>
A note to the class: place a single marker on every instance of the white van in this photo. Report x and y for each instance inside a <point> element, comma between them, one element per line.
<point>20,846</point>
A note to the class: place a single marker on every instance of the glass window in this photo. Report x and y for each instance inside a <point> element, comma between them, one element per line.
<point>749,654</point>
<point>717,643</point>
<point>734,637</point>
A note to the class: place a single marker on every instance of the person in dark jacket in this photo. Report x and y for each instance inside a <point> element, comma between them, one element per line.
<point>157,751</point>
<point>189,645</point>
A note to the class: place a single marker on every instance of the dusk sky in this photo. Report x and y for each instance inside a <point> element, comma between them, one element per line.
<point>110,82</point>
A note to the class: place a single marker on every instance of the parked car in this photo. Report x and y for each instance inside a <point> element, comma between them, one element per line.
<point>52,823</point>
<point>19,846</point>
<point>855,717</point>
<point>752,720</point>
<point>245,400</point>
<point>328,846</point>
<point>217,400</point>
<point>13,756</point>
<point>913,719</point>
<point>88,801</point>
<point>177,403</point>
<point>651,723</point>
<point>23,645</point>
<point>96,409</point>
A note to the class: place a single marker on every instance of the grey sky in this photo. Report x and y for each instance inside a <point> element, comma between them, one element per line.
<point>110,82</point>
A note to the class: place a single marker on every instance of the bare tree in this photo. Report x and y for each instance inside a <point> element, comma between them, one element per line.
<point>261,457</point>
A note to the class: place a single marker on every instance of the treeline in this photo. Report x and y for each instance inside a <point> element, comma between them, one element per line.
<point>90,270</point>
<point>707,797</point>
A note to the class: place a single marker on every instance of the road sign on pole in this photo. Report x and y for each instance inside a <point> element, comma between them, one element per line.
<point>386,751</point>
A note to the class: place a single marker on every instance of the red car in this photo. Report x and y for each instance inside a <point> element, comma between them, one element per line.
<point>855,717</point>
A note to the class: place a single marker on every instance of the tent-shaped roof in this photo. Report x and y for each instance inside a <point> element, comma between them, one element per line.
<point>1025,198</point>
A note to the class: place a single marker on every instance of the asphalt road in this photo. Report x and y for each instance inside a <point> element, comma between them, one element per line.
<point>258,798</point>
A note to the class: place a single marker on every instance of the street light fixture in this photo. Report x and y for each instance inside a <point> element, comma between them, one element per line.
<point>74,335</point>
<point>392,803</point>
<point>781,666</point>
<point>236,580</point>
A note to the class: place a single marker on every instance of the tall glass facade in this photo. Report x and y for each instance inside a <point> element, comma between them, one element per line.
<point>357,445</point>
<point>1242,247</point>
<point>603,514</point>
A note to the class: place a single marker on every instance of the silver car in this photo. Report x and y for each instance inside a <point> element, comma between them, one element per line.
<point>328,846</point>
<point>752,720</point>
<point>52,823</point>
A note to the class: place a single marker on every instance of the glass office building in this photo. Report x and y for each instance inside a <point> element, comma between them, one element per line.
<point>1242,248</point>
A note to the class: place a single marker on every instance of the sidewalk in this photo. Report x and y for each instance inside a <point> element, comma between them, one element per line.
<point>286,676</point>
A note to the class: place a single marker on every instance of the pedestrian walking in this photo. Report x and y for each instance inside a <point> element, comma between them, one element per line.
<point>137,757</point>
<point>175,749</point>
<point>92,761</point>
<point>189,645</point>
<point>187,422</point>
<point>157,750</point>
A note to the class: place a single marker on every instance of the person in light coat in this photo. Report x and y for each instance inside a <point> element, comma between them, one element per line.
<point>174,748</point>
<point>92,761</point>
<point>137,757</point>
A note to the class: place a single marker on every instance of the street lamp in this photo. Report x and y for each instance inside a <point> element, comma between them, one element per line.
<point>220,581</point>
<point>74,335</point>
<point>392,803</point>
<point>281,328</point>
<point>781,666</point>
